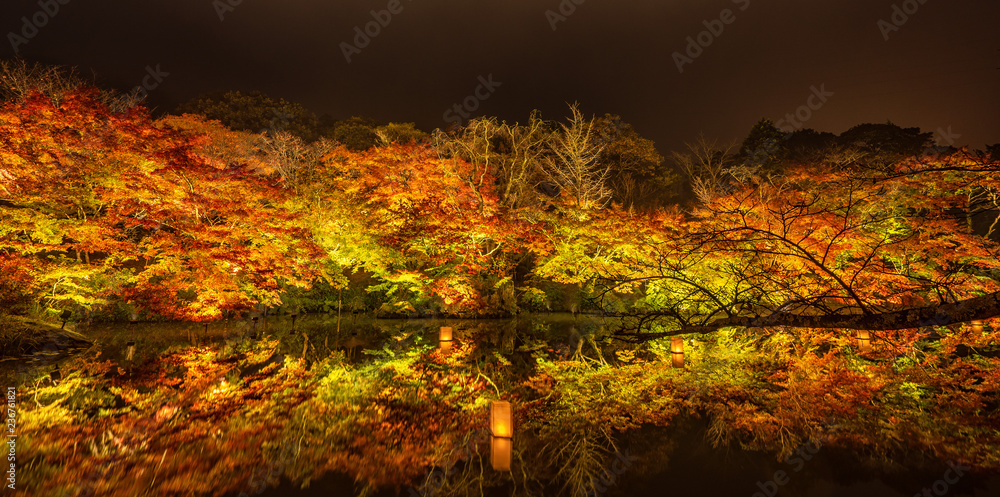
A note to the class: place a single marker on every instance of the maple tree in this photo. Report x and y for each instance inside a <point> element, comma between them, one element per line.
<point>411,218</point>
<point>820,249</point>
<point>177,233</point>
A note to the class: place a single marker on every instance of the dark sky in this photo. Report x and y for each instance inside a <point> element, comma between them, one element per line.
<point>938,70</point>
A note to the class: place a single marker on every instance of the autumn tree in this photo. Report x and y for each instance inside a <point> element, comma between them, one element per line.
<point>708,166</point>
<point>763,150</point>
<point>510,153</point>
<point>177,233</point>
<point>410,217</point>
<point>574,163</point>
<point>821,251</point>
<point>877,147</point>
<point>20,79</point>
<point>356,133</point>
<point>402,133</point>
<point>255,112</point>
<point>639,175</point>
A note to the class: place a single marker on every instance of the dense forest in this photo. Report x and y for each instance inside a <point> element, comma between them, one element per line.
<point>815,277</point>
<point>244,202</point>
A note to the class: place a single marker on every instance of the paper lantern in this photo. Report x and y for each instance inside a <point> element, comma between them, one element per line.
<point>977,326</point>
<point>864,341</point>
<point>446,334</point>
<point>500,453</point>
<point>677,351</point>
<point>502,427</point>
<point>501,419</point>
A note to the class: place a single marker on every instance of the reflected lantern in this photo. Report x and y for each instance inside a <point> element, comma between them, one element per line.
<point>445,338</point>
<point>677,351</point>
<point>502,427</point>
<point>864,341</point>
<point>500,453</point>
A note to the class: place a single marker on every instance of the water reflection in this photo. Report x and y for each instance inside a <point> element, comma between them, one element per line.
<point>424,422</point>
<point>315,335</point>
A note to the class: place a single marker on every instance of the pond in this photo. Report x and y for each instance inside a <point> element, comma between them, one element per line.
<point>669,455</point>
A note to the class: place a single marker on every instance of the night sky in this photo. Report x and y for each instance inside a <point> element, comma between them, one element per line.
<point>936,70</point>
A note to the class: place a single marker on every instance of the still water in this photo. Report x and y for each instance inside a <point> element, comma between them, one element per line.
<point>651,461</point>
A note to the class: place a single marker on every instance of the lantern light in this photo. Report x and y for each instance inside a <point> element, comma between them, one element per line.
<point>677,351</point>
<point>502,427</point>
<point>977,326</point>
<point>500,453</point>
<point>864,341</point>
<point>445,339</point>
<point>501,424</point>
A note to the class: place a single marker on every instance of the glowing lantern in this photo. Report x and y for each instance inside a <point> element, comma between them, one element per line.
<point>502,427</point>
<point>865,341</point>
<point>677,351</point>
<point>445,339</point>
<point>977,326</point>
<point>130,351</point>
<point>501,422</point>
<point>500,453</point>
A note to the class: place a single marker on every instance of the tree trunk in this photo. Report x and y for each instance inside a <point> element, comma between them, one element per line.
<point>973,309</point>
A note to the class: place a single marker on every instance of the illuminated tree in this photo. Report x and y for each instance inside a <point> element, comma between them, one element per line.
<point>708,166</point>
<point>821,250</point>
<point>511,153</point>
<point>177,233</point>
<point>255,112</point>
<point>638,173</point>
<point>574,166</point>
<point>411,218</point>
<point>402,133</point>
